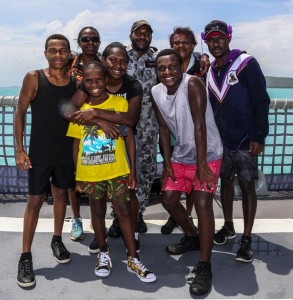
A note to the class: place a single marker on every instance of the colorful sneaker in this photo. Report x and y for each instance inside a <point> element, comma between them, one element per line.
<point>201,284</point>
<point>25,275</point>
<point>244,254</point>
<point>77,229</point>
<point>93,246</point>
<point>224,234</point>
<point>169,226</point>
<point>114,230</point>
<point>104,264</point>
<point>142,226</point>
<point>187,243</point>
<point>61,254</point>
<point>134,265</point>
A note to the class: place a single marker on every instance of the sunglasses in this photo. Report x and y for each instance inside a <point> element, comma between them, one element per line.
<point>87,39</point>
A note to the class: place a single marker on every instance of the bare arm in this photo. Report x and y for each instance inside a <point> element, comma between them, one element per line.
<point>165,143</point>
<point>27,94</point>
<point>131,152</point>
<point>76,102</point>
<point>128,118</point>
<point>198,102</point>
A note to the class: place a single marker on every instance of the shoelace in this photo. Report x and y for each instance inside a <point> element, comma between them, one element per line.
<point>76,225</point>
<point>140,265</point>
<point>196,270</point>
<point>26,268</point>
<point>104,259</point>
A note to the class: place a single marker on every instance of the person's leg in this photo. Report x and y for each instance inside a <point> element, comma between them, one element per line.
<point>122,209</point>
<point>77,228</point>
<point>171,202</point>
<point>30,220</point>
<point>203,203</point>
<point>61,254</point>
<point>98,208</point>
<point>202,282</point>
<point>249,204</point>
<point>74,199</point>
<point>227,198</point>
<point>59,208</point>
<point>189,205</point>
<point>147,141</point>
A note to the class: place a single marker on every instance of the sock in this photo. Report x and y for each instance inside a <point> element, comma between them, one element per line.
<point>25,256</point>
<point>136,235</point>
<point>56,238</point>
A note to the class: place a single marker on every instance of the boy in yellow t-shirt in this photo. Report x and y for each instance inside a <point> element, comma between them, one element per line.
<point>102,171</point>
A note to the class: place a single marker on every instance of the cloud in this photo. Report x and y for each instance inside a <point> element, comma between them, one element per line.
<point>22,40</point>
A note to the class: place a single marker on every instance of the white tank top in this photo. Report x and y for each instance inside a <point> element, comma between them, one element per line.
<point>176,112</point>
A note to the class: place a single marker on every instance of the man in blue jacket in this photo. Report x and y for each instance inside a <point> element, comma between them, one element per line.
<point>237,92</point>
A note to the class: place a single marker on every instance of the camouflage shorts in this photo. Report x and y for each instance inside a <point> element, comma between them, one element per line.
<point>241,163</point>
<point>112,189</point>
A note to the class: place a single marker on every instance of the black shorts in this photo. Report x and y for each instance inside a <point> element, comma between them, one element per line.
<point>241,163</point>
<point>40,177</point>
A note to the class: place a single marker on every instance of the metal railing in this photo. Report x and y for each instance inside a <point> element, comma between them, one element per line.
<point>276,163</point>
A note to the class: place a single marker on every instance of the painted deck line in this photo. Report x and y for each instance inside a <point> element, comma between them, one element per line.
<point>154,226</point>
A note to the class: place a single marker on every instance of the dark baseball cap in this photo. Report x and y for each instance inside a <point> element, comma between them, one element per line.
<point>216,25</point>
<point>138,24</point>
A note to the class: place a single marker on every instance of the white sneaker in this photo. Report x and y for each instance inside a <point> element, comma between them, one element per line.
<point>134,265</point>
<point>103,264</point>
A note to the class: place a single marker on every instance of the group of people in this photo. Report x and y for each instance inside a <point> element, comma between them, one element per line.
<point>95,124</point>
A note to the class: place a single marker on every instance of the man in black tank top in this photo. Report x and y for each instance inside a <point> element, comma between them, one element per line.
<point>50,151</point>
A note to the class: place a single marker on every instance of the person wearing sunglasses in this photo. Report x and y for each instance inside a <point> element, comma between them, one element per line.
<point>237,92</point>
<point>89,42</point>
<point>183,41</point>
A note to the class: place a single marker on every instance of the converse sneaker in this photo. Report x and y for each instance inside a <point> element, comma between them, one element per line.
<point>61,254</point>
<point>224,234</point>
<point>104,264</point>
<point>25,275</point>
<point>134,265</point>
<point>187,243</point>
<point>244,254</point>
<point>169,226</point>
<point>77,229</point>
<point>201,283</point>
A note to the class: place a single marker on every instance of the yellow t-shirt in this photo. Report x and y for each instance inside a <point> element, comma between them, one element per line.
<point>100,158</point>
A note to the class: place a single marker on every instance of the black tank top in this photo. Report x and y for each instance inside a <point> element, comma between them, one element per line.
<point>49,144</point>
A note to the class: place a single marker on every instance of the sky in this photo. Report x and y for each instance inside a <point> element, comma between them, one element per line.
<point>261,27</point>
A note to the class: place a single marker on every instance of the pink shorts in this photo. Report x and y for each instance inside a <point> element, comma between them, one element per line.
<point>184,175</point>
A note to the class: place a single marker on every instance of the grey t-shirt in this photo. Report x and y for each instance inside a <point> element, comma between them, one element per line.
<point>175,110</point>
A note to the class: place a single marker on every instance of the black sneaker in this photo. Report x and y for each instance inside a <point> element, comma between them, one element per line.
<point>114,230</point>
<point>142,226</point>
<point>201,283</point>
<point>93,246</point>
<point>187,243</point>
<point>25,275</point>
<point>223,235</point>
<point>244,254</point>
<point>61,254</point>
<point>169,226</point>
